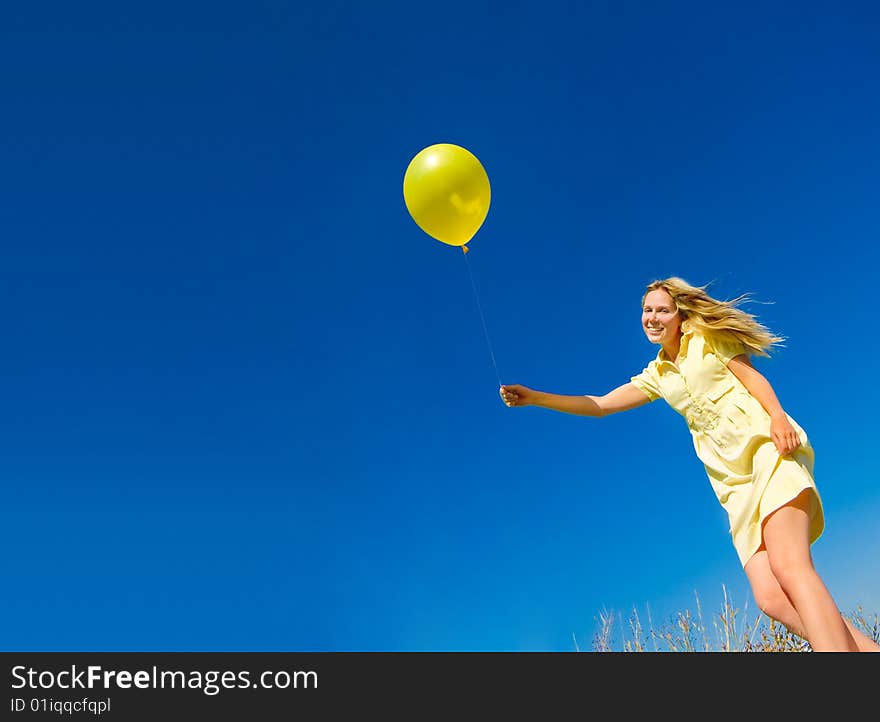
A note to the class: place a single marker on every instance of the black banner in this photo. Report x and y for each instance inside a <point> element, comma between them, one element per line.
<point>325,685</point>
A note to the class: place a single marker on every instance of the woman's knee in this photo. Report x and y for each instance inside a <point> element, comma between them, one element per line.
<point>773,602</point>
<point>791,570</point>
<point>768,594</point>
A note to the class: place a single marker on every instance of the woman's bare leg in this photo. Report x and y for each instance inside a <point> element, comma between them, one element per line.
<point>775,604</point>
<point>786,538</point>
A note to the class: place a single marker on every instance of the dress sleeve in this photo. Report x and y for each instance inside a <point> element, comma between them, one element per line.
<point>648,381</point>
<point>725,348</point>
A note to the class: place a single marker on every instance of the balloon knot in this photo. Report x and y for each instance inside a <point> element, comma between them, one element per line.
<point>464,249</point>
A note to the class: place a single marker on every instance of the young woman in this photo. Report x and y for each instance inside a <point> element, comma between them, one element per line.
<point>758,459</point>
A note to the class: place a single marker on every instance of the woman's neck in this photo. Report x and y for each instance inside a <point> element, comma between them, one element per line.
<point>672,348</point>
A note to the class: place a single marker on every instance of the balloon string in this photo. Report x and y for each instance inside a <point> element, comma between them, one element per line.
<point>482,317</point>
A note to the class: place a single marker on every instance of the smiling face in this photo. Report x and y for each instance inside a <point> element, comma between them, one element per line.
<point>661,320</point>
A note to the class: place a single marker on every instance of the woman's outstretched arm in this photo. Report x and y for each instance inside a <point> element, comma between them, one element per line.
<point>623,398</point>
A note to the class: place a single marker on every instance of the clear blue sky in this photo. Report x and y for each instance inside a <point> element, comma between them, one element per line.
<point>248,404</point>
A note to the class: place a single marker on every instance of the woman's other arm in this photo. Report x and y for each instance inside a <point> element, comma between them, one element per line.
<point>781,431</point>
<point>623,398</point>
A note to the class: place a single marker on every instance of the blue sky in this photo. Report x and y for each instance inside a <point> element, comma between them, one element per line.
<point>249,404</point>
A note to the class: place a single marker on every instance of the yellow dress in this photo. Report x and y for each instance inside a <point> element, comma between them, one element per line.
<point>731,435</point>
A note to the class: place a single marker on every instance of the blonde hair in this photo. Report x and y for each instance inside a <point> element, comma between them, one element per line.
<point>720,319</point>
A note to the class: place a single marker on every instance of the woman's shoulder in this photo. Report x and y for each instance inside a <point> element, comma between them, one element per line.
<point>722,345</point>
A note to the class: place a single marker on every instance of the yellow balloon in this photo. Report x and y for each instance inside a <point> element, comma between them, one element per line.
<point>447,192</point>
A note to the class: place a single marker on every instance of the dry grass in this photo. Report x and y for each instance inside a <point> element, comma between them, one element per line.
<point>730,630</point>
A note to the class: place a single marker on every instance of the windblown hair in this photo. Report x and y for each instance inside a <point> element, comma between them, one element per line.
<point>720,319</point>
